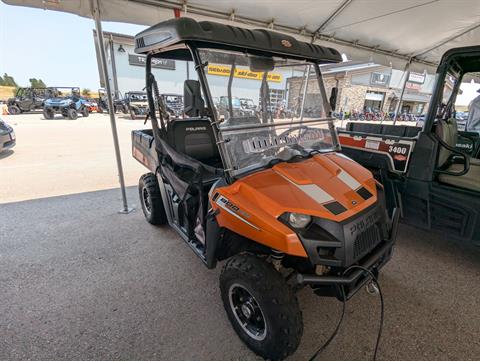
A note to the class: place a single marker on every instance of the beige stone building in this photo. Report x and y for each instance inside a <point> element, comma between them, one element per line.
<point>367,87</point>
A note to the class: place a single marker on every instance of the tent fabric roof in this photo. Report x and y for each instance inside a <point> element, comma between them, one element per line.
<point>387,32</point>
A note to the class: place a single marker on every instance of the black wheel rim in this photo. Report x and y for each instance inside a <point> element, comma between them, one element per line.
<point>146,200</point>
<point>247,312</point>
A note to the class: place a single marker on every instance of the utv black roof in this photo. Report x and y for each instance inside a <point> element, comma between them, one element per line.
<point>216,35</point>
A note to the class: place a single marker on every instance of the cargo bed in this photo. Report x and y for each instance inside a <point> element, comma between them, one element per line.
<point>143,148</point>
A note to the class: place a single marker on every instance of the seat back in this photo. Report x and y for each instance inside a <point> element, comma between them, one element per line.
<point>446,130</point>
<point>194,106</point>
<point>195,138</point>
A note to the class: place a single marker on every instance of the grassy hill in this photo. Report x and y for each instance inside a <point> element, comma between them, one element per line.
<point>6,92</point>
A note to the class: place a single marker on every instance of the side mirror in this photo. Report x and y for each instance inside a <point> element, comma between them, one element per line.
<point>333,98</point>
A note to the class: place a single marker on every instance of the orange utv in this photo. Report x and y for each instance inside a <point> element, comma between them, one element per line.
<point>273,198</point>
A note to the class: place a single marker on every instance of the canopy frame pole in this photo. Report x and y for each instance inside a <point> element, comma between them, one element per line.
<point>448,39</point>
<point>400,100</point>
<point>95,8</point>
<point>332,17</point>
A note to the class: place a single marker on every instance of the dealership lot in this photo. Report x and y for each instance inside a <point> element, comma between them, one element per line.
<point>80,281</point>
<point>62,156</point>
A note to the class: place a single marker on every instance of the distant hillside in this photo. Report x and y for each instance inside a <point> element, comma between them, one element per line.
<point>6,92</point>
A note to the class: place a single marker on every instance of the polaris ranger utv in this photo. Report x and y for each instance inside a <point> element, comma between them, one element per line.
<point>435,182</point>
<point>66,101</point>
<point>27,100</point>
<point>275,198</point>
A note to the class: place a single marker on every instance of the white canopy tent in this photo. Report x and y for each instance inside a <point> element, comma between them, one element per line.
<point>410,34</point>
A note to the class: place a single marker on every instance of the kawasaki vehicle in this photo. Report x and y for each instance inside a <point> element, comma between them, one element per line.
<point>137,103</point>
<point>273,198</point>
<point>432,172</point>
<point>67,102</point>
<point>174,104</point>
<point>27,100</point>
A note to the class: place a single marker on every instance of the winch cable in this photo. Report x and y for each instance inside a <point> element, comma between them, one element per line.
<point>344,302</point>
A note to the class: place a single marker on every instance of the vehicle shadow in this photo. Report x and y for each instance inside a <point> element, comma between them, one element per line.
<point>74,268</point>
<point>6,153</point>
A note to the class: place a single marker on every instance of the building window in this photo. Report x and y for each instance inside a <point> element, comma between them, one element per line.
<point>373,101</point>
<point>379,79</point>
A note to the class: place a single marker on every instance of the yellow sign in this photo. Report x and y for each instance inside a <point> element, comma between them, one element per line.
<point>243,73</point>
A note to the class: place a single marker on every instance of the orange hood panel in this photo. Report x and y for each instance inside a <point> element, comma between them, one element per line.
<point>302,187</point>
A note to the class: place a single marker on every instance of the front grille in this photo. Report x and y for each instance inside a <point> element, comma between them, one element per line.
<point>365,241</point>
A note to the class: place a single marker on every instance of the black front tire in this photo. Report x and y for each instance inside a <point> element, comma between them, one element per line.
<point>14,110</point>
<point>48,114</point>
<point>85,112</point>
<point>72,114</point>
<point>151,200</point>
<point>270,294</point>
<point>132,114</point>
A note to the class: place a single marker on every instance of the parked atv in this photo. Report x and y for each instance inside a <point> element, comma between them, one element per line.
<point>66,101</point>
<point>136,103</point>
<point>118,102</point>
<point>27,100</point>
<point>273,198</point>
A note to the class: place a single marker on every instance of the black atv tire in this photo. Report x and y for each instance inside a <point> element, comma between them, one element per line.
<point>48,114</point>
<point>132,114</point>
<point>85,112</point>
<point>99,109</point>
<point>14,110</point>
<point>247,281</point>
<point>72,114</point>
<point>151,200</point>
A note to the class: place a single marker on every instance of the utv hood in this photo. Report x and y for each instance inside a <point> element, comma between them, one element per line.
<point>331,186</point>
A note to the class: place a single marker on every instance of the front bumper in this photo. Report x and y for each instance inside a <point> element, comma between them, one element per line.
<point>7,141</point>
<point>352,281</point>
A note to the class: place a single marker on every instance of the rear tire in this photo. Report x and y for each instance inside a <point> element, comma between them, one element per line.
<point>85,112</point>
<point>132,114</point>
<point>14,110</point>
<point>151,200</point>
<point>99,109</point>
<point>48,113</point>
<point>262,308</point>
<point>72,114</point>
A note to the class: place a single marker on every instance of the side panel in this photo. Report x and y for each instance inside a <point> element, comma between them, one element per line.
<point>143,148</point>
<point>396,151</point>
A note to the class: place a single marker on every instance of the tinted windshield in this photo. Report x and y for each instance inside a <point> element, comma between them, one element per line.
<point>290,119</point>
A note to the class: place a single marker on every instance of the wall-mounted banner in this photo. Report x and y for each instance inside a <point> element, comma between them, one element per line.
<point>243,73</point>
<point>140,60</point>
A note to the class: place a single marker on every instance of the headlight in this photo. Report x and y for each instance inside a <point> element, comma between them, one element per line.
<point>298,220</point>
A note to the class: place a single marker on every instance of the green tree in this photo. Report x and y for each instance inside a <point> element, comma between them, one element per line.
<point>8,80</point>
<point>86,92</point>
<point>37,83</point>
<point>2,83</point>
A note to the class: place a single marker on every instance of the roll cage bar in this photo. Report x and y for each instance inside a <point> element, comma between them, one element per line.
<point>178,52</point>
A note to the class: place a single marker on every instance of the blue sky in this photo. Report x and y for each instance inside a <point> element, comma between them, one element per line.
<point>54,46</point>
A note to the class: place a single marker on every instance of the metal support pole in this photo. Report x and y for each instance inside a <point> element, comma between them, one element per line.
<point>400,100</point>
<point>95,7</point>
<point>304,92</point>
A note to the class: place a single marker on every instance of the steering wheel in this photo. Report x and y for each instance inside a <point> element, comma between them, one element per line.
<point>288,131</point>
